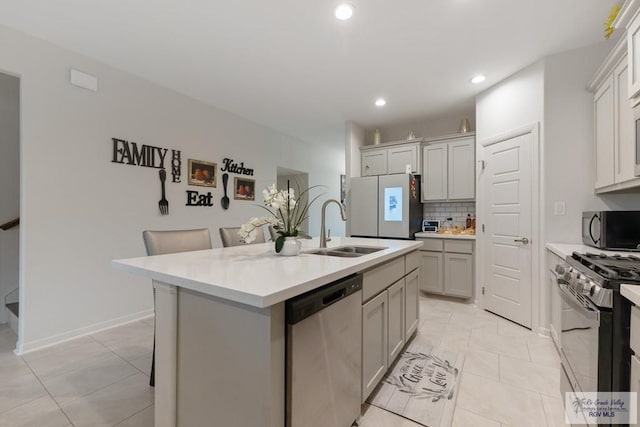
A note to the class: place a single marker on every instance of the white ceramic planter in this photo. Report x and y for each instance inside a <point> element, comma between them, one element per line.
<point>291,247</point>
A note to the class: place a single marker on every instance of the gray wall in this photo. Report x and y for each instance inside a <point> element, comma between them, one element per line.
<point>568,149</point>
<point>427,127</point>
<point>80,210</point>
<point>9,184</point>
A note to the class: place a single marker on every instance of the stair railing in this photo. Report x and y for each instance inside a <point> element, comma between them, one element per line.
<point>9,225</point>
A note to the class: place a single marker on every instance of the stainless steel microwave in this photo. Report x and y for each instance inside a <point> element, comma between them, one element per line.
<point>612,230</point>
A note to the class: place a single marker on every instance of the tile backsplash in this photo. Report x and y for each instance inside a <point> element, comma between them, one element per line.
<point>443,210</point>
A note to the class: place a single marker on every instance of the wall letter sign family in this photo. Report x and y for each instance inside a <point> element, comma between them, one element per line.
<point>129,153</point>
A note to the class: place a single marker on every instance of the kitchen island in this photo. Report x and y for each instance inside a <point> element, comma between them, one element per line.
<point>220,325</point>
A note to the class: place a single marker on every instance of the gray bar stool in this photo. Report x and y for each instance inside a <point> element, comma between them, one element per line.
<point>169,242</point>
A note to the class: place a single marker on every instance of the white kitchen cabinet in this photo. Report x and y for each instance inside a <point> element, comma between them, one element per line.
<point>390,158</point>
<point>555,310</point>
<point>555,306</point>
<point>635,379</point>
<point>614,128</point>
<point>435,177</point>
<point>431,272</point>
<point>411,310</point>
<point>447,267</point>
<point>604,120</point>
<point>389,315</point>
<point>398,157</point>
<point>374,162</point>
<point>462,177</point>
<point>624,141</point>
<point>374,342</point>
<point>633,49</point>
<point>449,169</point>
<point>458,275</point>
<point>396,295</point>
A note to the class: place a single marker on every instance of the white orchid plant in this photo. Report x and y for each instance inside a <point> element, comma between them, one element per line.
<point>286,215</point>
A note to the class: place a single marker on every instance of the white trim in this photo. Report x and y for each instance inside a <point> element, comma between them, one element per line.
<point>513,133</point>
<point>537,220</point>
<point>544,332</point>
<point>166,355</point>
<point>80,332</point>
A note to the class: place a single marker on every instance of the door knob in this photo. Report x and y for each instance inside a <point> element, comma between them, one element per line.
<point>523,240</point>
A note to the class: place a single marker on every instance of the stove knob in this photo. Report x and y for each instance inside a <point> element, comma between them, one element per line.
<point>585,287</point>
<point>560,269</point>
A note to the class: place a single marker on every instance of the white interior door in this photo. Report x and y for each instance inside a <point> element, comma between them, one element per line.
<point>508,204</point>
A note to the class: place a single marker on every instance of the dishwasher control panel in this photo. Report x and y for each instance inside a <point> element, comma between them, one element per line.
<point>300,307</point>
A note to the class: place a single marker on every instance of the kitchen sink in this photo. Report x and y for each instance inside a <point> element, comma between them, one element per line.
<point>363,250</point>
<point>346,251</point>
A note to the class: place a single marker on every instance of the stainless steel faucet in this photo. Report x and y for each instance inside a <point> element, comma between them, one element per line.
<point>323,230</point>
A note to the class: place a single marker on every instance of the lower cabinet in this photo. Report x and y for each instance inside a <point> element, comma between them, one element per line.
<point>389,319</point>
<point>412,310</point>
<point>447,267</point>
<point>458,275</point>
<point>395,335</point>
<point>635,378</point>
<point>432,277</point>
<point>374,342</point>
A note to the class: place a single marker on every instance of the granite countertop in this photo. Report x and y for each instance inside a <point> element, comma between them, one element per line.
<point>425,235</point>
<point>255,274</point>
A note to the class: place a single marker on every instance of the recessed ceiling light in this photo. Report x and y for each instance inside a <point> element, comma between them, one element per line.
<point>478,79</point>
<point>344,11</point>
<point>380,102</point>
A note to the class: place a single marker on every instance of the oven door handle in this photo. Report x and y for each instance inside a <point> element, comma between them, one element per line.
<point>591,313</point>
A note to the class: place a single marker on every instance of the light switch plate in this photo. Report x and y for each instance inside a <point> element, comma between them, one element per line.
<point>559,208</point>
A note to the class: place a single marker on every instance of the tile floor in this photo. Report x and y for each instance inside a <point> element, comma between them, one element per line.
<point>510,376</point>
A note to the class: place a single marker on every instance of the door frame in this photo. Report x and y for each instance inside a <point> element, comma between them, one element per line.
<point>23,220</point>
<point>537,219</point>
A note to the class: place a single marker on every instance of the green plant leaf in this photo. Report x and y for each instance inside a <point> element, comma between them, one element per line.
<point>279,243</point>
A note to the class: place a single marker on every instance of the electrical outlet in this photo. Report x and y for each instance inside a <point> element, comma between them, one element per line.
<point>559,208</point>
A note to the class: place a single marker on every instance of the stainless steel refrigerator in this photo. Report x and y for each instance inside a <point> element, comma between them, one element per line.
<point>386,206</point>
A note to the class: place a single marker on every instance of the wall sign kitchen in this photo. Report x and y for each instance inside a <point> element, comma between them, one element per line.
<point>231,167</point>
<point>129,153</point>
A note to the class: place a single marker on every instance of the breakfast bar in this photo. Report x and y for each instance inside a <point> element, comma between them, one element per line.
<point>220,325</point>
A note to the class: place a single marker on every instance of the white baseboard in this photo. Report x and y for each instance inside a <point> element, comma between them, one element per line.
<point>27,347</point>
<point>545,332</point>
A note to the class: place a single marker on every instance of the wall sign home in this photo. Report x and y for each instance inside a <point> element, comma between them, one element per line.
<point>129,153</point>
<point>229,166</point>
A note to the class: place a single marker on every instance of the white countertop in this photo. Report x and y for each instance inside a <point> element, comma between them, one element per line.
<point>631,292</point>
<point>564,250</point>
<point>255,275</point>
<point>426,235</point>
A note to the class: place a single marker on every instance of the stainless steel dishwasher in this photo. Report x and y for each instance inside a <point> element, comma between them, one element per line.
<point>324,355</point>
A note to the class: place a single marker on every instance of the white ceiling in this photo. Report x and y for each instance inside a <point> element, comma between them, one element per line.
<point>290,65</point>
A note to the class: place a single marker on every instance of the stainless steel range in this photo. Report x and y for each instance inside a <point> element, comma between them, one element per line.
<point>594,337</point>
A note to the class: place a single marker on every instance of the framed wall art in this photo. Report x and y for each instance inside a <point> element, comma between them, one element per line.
<point>202,173</point>
<point>244,189</point>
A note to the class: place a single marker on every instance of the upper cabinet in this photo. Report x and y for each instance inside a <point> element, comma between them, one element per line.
<point>614,143</point>
<point>374,162</point>
<point>633,50</point>
<point>390,158</point>
<point>449,169</point>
